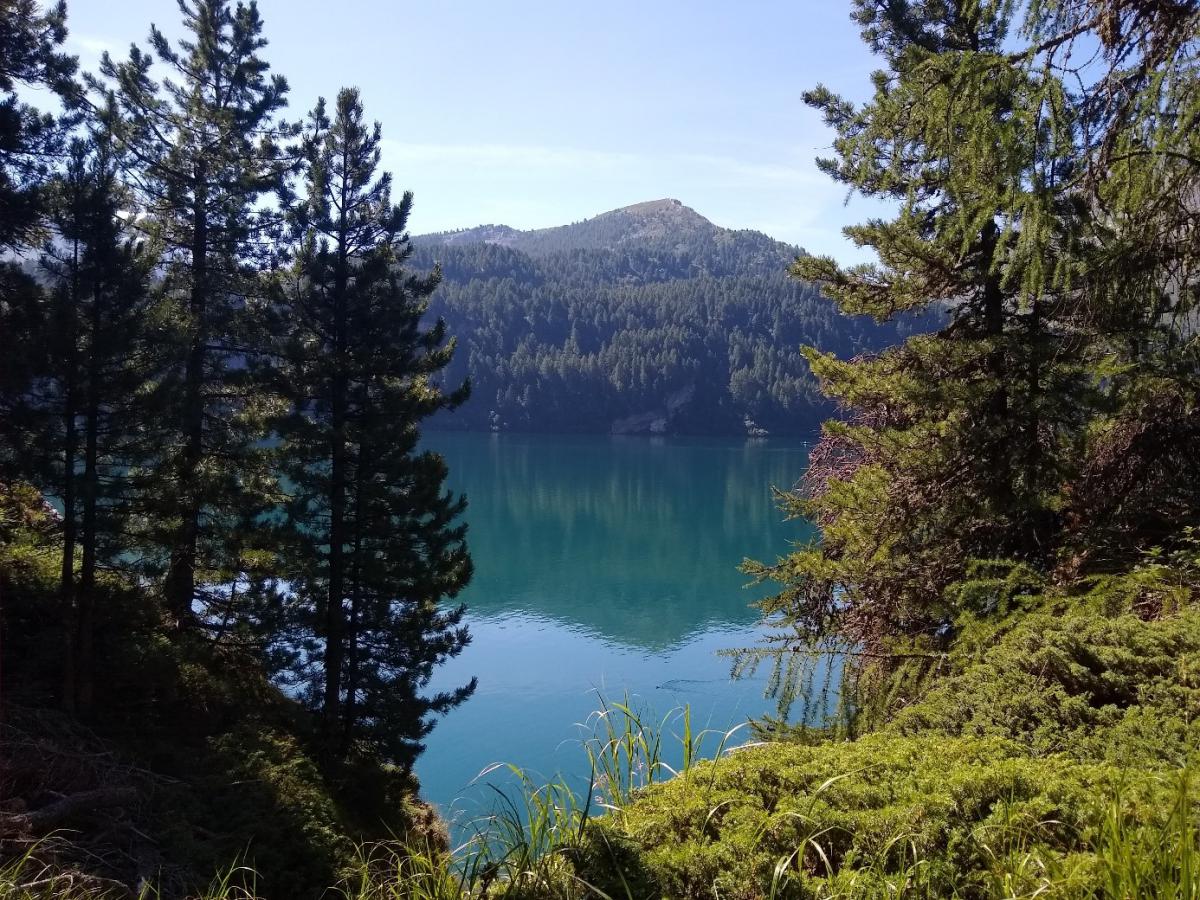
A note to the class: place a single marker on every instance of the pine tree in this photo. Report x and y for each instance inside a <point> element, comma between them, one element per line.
<point>204,148</point>
<point>30,55</point>
<point>969,447</point>
<point>105,358</point>
<point>84,359</point>
<point>958,439</point>
<point>1139,480</point>
<point>30,141</point>
<point>377,540</point>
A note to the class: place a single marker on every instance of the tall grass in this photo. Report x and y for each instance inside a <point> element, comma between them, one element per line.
<point>1127,859</point>
<point>626,749</point>
<point>523,849</point>
<point>1155,862</point>
<point>26,877</point>
<point>404,871</point>
<point>521,843</point>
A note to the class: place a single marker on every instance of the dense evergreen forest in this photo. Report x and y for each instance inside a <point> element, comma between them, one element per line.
<point>646,319</point>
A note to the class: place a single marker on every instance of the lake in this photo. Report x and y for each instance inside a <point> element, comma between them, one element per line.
<point>602,565</point>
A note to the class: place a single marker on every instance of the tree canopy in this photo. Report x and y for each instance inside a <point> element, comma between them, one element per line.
<point>221,383</point>
<point>646,319</point>
<point>1041,158</point>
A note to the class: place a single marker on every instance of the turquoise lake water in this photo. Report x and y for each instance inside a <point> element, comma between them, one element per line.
<point>602,564</point>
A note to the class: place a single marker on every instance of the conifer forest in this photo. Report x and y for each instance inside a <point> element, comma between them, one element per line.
<point>305,501</point>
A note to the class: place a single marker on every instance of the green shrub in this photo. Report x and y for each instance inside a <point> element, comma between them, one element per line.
<point>1082,684</point>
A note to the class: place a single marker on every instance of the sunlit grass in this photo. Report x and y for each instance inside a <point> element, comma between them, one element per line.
<point>525,847</point>
<point>1154,862</point>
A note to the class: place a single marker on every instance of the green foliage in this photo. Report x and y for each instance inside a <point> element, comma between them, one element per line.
<point>1005,779</point>
<point>85,355</point>
<point>542,840</point>
<point>1161,860</point>
<point>881,803</point>
<point>645,314</point>
<point>926,807</point>
<point>31,38</point>
<point>918,809</point>
<point>1077,684</point>
<point>159,354</point>
<point>178,325</point>
<point>1054,761</point>
<point>372,540</point>
<point>263,799</point>
<point>1050,426</point>
<point>1006,508</point>
<point>202,151</point>
<point>416,871</point>
<point>224,766</point>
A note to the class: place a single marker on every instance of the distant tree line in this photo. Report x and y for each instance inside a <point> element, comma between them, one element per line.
<point>216,363</point>
<point>702,327</point>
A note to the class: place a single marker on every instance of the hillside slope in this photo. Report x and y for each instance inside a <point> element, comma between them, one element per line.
<point>189,761</point>
<point>645,319</point>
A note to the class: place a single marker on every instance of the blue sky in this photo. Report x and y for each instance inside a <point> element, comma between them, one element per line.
<point>541,112</point>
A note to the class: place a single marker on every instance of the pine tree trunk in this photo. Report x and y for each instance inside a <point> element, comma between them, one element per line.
<point>66,587</point>
<point>181,578</point>
<point>998,403</point>
<point>1043,518</point>
<point>85,633</point>
<point>352,664</point>
<point>353,661</point>
<point>334,612</point>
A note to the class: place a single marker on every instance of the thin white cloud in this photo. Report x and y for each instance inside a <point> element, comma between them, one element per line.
<point>542,158</point>
<point>89,45</point>
<point>506,155</point>
<point>758,172</point>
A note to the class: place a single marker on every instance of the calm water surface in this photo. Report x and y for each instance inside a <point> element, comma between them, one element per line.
<point>602,564</point>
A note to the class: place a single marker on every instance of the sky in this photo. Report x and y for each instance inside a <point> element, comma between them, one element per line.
<point>533,113</point>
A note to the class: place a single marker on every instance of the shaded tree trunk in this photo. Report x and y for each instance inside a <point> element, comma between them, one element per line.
<point>66,590</point>
<point>334,611</point>
<point>85,623</point>
<point>353,661</point>
<point>998,404</point>
<point>181,577</point>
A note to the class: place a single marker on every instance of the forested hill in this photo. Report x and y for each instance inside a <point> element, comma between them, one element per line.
<point>645,319</point>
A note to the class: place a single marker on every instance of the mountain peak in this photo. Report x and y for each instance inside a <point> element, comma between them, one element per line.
<point>657,207</point>
<point>668,211</point>
<point>664,223</point>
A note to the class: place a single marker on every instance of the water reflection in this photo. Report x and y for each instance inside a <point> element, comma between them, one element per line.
<point>602,565</point>
<point>634,540</point>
